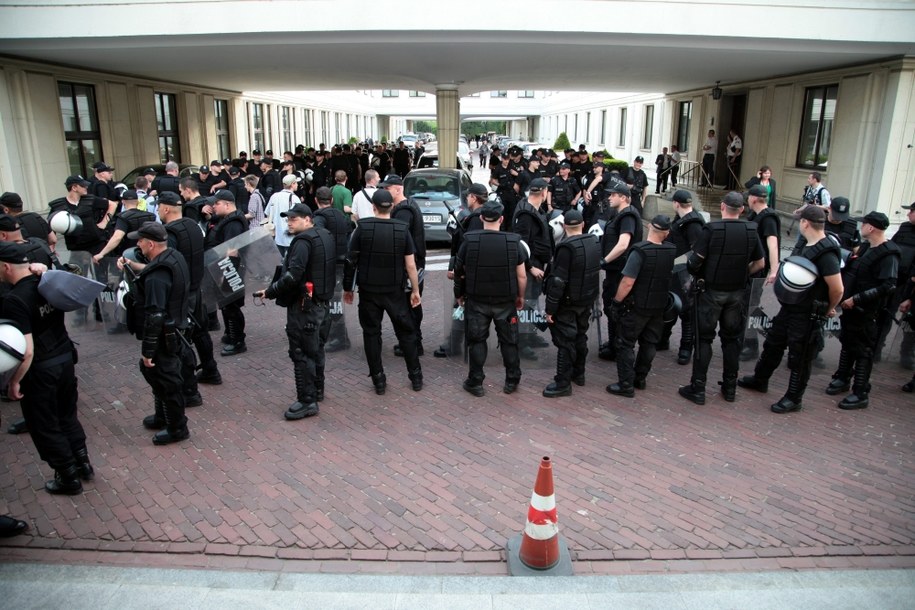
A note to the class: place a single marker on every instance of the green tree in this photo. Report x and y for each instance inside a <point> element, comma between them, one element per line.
<point>425,127</point>
<point>562,142</point>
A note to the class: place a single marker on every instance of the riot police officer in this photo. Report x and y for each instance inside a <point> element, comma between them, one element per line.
<point>684,233</point>
<point>127,221</point>
<point>620,233</point>
<point>406,210</point>
<point>869,279</point>
<point>184,236</point>
<point>530,225</point>
<point>45,384</point>
<point>229,223</point>
<point>637,181</point>
<point>504,182</point>
<point>563,190</point>
<point>305,288</point>
<point>769,228</point>
<point>723,259</point>
<point>796,327</point>
<point>490,281</point>
<point>159,315</point>
<point>340,228</point>
<point>639,305</point>
<point>905,239</point>
<point>380,260</point>
<point>33,225</point>
<point>571,285</point>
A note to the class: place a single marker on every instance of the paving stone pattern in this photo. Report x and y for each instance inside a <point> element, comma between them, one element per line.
<point>445,478</point>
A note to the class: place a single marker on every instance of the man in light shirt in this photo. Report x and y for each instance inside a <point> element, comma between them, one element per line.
<point>362,201</point>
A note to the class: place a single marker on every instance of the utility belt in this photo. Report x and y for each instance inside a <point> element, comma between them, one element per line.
<point>52,361</point>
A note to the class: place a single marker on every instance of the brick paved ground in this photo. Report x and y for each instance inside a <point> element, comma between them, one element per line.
<point>436,482</point>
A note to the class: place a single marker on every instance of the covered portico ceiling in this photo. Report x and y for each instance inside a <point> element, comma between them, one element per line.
<point>592,45</point>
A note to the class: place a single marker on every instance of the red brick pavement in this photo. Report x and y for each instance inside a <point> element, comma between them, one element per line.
<point>437,481</point>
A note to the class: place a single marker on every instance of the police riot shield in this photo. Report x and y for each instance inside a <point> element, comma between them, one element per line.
<point>338,336</point>
<point>89,317</point>
<point>244,264</point>
<point>534,339</point>
<point>899,346</point>
<point>114,316</point>
<point>452,321</point>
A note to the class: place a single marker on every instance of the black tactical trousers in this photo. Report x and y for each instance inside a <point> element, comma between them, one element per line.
<point>797,332</point>
<point>416,315</point>
<point>722,310</point>
<point>49,408</point>
<point>200,336</point>
<point>307,327</point>
<point>167,384</point>
<point>372,307</point>
<point>477,318</point>
<point>570,336</point>
<point>234,319</point>
<point>643,327</point>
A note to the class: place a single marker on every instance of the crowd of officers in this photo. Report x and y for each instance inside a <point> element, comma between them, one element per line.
<point>505,256</point>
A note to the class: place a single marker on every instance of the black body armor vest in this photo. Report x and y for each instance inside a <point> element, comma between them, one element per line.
<point>382,244</point>
<point>730,248</point>
<point>189,242</point>
<point>217,234</point>
<point>612,235</point>
<point>177,308</point>
<point>491,259</point>
<point>584,273</point>
<point>339,227</point>
<point>651,287</point>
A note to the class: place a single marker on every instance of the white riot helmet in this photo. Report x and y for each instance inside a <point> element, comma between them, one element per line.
<point>527,249</point>
<point>556,224</point>
<point>309,175</point>
<point>596,230</point>
<point>12,346</point>
<point>796,276</point>
<point>66,223</point>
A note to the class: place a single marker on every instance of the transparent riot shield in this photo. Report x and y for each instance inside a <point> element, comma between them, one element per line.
<point>452,322</point>
<point>900,341</point>
<point>244,264</point>
<point>761,306</point>
<point>87,318</point>
<point>338,336</point>
<point>534,342</point>
<point>114,316</point>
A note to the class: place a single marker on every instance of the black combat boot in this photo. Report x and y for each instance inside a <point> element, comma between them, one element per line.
<point>560,386</point>
<point>86,471</point>
<point>174,431</point>
<point>319,383</point>
<point>209,375</point>
<point>840,379</point>
<point>305,405</point>
<point>416,379</point>
<point>729,389</point>
<point>236,336</point>
<point>695,392</point>
<point>380,382</point>
<point>687,337</point>
<point>157,420</point>
<point>791,401</point>
<point>66,481</point>
<point>858,399</point>
<point>752,382</point>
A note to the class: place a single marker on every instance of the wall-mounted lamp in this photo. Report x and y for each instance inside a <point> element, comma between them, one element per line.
<point>716,92</point>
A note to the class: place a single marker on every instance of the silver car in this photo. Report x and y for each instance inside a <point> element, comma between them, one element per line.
<point>434,190</point>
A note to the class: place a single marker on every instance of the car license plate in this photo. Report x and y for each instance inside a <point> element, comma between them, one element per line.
<point>431,218</point>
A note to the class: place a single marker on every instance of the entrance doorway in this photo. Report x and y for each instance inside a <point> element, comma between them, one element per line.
<point>732,115</point>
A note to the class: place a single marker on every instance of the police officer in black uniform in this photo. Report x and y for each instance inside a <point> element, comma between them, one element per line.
<point>340,227</point>
<point>194,202</point>
<point>684,233</point>
<point>637,181</point>
<point>723,259</point>
<point>33,225</point>
<point>229,222</point>
<point>531,226</point>
<point>271,181</point>
<point>490,281</point>
<point>380,260</point>
<point>159,314</point>
<point>91,210</point>
<point>869,279</point>
<point>769,228</point>
<point>305,287</point>
<point>127,221</point>
<point>45,382</point>
<point>797,324</point>
<point>905,239</point>
<point>184,236</point>
<point>528,174</point>
<point>620,233</point>
<point>571,285</point>
<point>504,182</point>
<point>639,304</point>
<point>563,190</point>
<point>167,183</point>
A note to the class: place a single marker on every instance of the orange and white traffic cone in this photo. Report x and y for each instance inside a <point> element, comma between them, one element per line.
<point>540,549</point>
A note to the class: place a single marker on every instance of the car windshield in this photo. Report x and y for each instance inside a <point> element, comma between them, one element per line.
<point>436,188</point>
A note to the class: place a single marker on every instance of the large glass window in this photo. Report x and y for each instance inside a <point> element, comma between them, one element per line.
<point>648,127</point>
<point>683,123</point>
<point>621,140</point>
<point>287,127</point>
<point>417,94</point>
<point>390,93</point>
<point>528,93</point>
<point>257,127</point>
<point>81,131</point>
<point>167,119</point>
<point>603,127</point>
<point>309,135</point>
<point>498,94</point>
<point>816,126</point>
<point>325,127</point>
<point>575,129</point>
<point>223,146</point>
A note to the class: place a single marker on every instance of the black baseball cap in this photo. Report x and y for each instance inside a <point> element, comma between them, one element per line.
<point>169,198</point>
<point>565,165</point>
<point>16,252</point>
<point>216,162</point>
<point>255,152</point>
<point>391,180</point>
<point>878,220</point>
<point>149,172</point>
<point>299,210</point>
<point>814,213</point>
<point>224,195</point>
<point>758,190</point>
<point>682,196</point>
<point>204,169</point>
<point>492,210</point>
<point>101,166</point>
<point>661,222</point>
<point>234,171</point>
<point>619,187</point>
<point>639,160</point>
<point>382,198</point>
<point>9,223</point>
<point>909,207</point>
<point>149,230</point>
<point>324,194</point>
<point>269,152</point>
<point>840,207</point>
<point>130,195</point>
<point>538,184</point>
<point>572,218</point>
<point>77,180</point>
<point>733,200</point>
<point>478,189</point>
<point>11,200</point>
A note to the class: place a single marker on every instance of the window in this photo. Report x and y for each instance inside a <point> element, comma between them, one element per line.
<point>525,94</point>
<point>575,129</point>
<point>287,126</point>
<point>816,126</point>
<point>621,140</point>
<point>417,94</point>
<point>81,132</point>
<point>498,94</point>
<point>309,136</point>
<point>603,127</point>
<point>338,120</point>
<point>223,146</point>
<point>257,126</point>
<point>390,93</point>
<point>167,119</point>
<point>686,117</point>
<point>474,95</point>
<point>587,127</point>
<point>325,128</point>
<point>648,127</point>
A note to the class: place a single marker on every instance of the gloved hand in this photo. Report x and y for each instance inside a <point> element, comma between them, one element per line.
<point>617,310</point>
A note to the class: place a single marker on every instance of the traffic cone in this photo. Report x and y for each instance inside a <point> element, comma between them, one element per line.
<point>540,550</point>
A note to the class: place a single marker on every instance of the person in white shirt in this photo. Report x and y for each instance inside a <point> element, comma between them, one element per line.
<point>735,148</point>
<point>281,202</point>
<point>362,201</point>
<point>674,164</point>
<point>709,150</point>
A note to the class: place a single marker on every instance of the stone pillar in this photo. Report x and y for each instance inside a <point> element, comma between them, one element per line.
<point>448,117</point>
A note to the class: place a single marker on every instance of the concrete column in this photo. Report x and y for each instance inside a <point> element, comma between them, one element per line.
<point>448,117</point>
